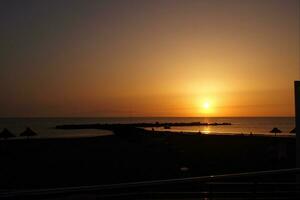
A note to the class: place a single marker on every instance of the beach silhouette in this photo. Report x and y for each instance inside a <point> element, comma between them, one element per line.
<point>149,99</point>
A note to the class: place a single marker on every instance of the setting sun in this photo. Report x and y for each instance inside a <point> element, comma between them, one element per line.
<point>206,105</point>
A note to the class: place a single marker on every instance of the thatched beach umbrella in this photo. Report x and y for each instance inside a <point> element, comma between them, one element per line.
<point>275,130</point>
<point>6,134</point>
<point>293,131</point>
<point>28,132</point>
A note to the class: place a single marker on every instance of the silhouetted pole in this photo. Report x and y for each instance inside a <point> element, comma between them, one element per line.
<point>297,112</point>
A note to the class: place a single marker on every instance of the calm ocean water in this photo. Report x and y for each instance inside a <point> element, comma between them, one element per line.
<point>45,126</point>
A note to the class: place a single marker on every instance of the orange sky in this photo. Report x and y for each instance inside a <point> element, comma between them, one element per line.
<point>149,58</point>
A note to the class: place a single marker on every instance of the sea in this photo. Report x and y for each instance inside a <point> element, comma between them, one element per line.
<point>45,127</point>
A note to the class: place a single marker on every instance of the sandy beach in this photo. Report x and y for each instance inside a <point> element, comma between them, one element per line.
<point>136,155</point>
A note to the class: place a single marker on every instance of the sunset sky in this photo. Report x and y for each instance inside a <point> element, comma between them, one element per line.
<point>148,58</point>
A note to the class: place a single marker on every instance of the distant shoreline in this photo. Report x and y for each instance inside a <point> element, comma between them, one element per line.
<point>46,127</point>
<point>156,124</point>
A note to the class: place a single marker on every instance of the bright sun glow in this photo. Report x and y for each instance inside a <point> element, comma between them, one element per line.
<point>206,105</point>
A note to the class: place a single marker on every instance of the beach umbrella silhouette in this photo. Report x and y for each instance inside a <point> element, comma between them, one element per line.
<point>293,131</point>
<point>28,132</point>
<point>275,130</point>
<point>5,133</point>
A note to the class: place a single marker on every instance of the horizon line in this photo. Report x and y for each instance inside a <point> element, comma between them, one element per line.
<point>45,117</point>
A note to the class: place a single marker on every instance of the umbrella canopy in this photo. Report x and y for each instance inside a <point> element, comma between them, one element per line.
<point>275,130</point>
<point>28,132</point>
<point>6,134</point>
<point>293,131</point>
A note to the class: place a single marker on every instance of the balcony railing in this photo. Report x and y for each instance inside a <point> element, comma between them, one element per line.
<point>250,185</point>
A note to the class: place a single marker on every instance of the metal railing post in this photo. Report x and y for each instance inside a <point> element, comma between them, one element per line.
<point>297,114</point>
